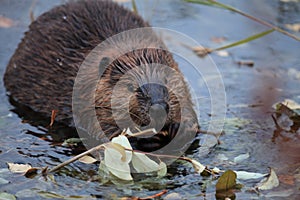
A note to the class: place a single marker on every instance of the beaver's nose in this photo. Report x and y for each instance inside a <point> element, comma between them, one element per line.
<point>158,110</point>
<point>158,114</point>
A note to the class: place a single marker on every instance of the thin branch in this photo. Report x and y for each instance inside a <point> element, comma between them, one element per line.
<point>76,158</point>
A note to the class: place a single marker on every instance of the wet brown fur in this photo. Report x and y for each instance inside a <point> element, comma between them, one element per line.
<point>41,73</point>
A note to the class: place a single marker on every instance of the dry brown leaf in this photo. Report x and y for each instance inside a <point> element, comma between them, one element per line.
<point>53,115</point>
<point>287,179</point>
<point>293,27</point>
<point>31,172</point>
<point>6,22</point>
<point>218,39</point>
<point>201,51</point>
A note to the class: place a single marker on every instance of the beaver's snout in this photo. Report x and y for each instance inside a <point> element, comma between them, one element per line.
<point>155,92</point>
<point>158,116</point>
<point>156,96</point>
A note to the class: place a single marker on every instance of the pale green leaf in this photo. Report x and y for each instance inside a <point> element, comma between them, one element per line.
<point>243,175</point>
<point>7,196</point>
<point>270,182</point>
<point>143,164</point>
<point>123,141</point>
<point>162,169</point>
<point>115,164</point>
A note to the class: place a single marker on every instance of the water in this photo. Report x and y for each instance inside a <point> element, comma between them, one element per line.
<point>250,93</point>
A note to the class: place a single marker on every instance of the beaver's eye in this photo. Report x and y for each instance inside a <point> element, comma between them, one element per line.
<point>130,87</point>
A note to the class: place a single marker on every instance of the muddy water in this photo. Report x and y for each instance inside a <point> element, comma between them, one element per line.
<point>250,93</point>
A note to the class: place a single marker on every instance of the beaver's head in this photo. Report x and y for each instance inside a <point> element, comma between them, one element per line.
<point>140,90</point>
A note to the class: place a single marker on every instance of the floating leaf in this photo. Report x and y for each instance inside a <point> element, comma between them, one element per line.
<point>72,141</point>
<point>241,157</point>
<point>291,104</point>
<point>7,196</point>
<point>117,159</point>
<point>116,163</point>
<point>226,181</point>
<point>287,179</point>
<point>31,172</point>
<point>202,51</point>
<point>199,168</point>
<point>162,169</point>
<point>216,170</point>
<point>143,164</point>
<point>87,159</point>
<point>6,22</point>
<point>293,27</point>
<point>248,63</point>
<point>270,182</point>
<point>218,39</point>
<point>243,175</point>
<point>18,168</point>
<point>123,141</point>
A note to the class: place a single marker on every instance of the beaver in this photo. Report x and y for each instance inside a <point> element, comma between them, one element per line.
<point>41,75</point>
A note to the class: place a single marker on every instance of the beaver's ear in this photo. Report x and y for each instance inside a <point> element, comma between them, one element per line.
<point>105,61</point>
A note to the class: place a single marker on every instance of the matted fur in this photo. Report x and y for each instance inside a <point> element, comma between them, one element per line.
<point>41,73</point>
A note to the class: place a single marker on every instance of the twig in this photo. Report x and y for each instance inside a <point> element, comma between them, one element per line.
<point>76,158</point>
<point>276,123</point>
<point>154,196</point>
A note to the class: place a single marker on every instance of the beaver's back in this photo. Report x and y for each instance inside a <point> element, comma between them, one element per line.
<point>41,73</point>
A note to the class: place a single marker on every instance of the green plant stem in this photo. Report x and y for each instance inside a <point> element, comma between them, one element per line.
<point>265,23</point>
<point>134,7</point>
<point>248,39</point>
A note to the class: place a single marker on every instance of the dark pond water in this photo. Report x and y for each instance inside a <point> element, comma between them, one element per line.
<point>250,94</point>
